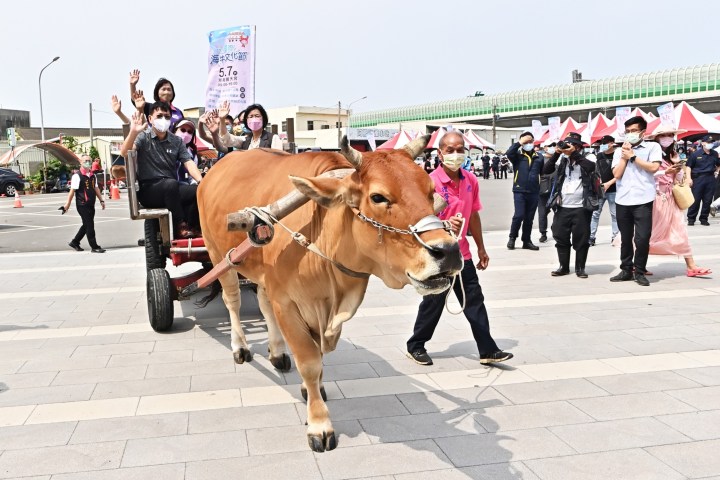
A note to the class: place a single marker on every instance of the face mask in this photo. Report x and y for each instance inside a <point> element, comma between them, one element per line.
<point>604,148</point>
<point>527,147</point>
<point>255,124</point>
<point>551,150</point>
<point>633,137</point>
<point>185,136</point>
<point>238,130</point>
<point>161,124</point>
<point>453,161</point>
<point>87,165</point>
<point>228,128</point>
<point>707,146</point>
<point>666,141</point>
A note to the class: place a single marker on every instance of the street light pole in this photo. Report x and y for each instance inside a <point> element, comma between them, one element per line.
<point>42,120</point>
<point>338,125</point>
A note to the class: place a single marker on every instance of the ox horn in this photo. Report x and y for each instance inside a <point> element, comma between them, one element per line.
<point>352,155</point>
<point>439,203</point>
<point>416,147</point>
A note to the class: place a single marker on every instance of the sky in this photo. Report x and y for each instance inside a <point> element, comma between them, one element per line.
<point>319,52</point>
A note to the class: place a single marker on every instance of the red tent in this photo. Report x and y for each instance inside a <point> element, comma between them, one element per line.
<point>472,139</point>
<point>435,138</point>
<point>398,140</point>
<point>568,126</point>
<point>690,119</point>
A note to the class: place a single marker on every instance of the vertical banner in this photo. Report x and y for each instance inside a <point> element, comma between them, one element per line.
<point>554,124</point>
<point>537,129</point>
<point>667,115</point>
<point>621,115</point>
<point>231,68</point>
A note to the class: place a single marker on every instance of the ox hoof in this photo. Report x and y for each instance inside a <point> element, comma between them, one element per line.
<point>322,443</point>
<point>243,355</point>
<point>282,362</point>
<point>303,392</point>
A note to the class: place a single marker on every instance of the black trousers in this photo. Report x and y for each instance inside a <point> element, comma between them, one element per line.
<point>87,214</point>
<point>496,170</point>
<point>571,227</point>
<point>635,225</point>
<point>432,306</point>
<point>503,172</point>
<point>179,198</point>
<point>486,170</point>
<point>525,206</point>
<point>543,212</point>
<point>703,189</point>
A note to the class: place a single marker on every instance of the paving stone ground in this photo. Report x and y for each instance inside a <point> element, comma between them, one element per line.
<point>608,380</point>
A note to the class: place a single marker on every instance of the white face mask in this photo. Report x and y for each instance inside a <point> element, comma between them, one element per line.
<point>527,147</point>
<point>161,124</point>
<point>604,148</point>
<point>453,161</point>
<point>633,137</point>
<point>551,150</point>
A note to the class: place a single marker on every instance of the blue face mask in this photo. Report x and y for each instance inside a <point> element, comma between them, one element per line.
<point>604,148</point>
<point>228,128</point>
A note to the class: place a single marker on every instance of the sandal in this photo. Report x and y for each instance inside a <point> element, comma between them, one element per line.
<point>698,272</point>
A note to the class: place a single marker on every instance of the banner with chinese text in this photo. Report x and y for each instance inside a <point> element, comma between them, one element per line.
<point>231,68</point>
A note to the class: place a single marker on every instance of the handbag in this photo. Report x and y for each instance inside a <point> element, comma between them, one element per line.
<point>683,195</point>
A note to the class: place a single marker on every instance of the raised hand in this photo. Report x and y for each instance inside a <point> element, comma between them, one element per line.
<point>203,118</point>
<point>116,104</point>
<point>212,123</point>
<point>139,100</point>
<point>134,77</point>
<point>138,123</point>
<point>224,109</point>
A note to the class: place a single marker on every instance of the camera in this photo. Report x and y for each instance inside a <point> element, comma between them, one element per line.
<point>562,145</point>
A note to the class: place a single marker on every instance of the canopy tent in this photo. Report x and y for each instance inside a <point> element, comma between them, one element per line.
<point>568,126</point>
<point>58,151</point>
<point>690,119</point>
<point>434,141</point>
<point>474,140</point>
<point>591,134</point>
<point>398,140</point>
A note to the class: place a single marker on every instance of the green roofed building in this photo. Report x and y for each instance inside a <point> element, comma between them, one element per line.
<point>699,86</point>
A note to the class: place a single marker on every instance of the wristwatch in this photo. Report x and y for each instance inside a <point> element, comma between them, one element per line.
<point>632,159</point>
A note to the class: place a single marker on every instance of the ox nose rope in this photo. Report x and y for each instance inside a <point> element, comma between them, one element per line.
<point>455,277</point>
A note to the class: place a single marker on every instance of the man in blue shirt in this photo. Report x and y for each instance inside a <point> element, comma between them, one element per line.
<point>704,164</point>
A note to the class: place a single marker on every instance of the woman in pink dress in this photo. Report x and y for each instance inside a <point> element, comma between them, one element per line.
<point>669,232</point>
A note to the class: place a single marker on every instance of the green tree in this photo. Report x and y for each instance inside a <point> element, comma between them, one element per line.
<point>94,153</point>
<point>70,143</point>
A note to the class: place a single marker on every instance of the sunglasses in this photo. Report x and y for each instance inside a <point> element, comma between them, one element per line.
<point>184,130</point>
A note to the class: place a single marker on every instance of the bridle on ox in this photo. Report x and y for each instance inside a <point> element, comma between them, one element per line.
<point>425,224</point>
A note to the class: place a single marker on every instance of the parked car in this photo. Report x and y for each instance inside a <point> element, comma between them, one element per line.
<point>11,182</point>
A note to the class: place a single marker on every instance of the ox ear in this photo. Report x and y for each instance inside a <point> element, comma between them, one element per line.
<point>416,147</point>
<point>324,191</point>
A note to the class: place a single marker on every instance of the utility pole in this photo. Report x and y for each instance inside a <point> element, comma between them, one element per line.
<point>494,118</point>
<point>338,125</point>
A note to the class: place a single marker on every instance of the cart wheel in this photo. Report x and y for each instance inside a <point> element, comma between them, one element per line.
<point>159,299</point>
<point>154,257</point>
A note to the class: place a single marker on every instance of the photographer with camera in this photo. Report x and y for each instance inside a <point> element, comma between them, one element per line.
<point>573,200</point>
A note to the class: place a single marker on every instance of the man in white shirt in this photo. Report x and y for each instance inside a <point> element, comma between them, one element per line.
<point>634,166</point>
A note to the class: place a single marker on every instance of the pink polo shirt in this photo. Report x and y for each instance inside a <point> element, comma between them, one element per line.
<point>462,198</point>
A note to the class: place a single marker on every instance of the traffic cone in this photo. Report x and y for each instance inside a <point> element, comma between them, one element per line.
<point>114,192</point>
<point>18,203</point>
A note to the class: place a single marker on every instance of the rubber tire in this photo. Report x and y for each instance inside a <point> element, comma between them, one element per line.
<point>159,300</point>
<point>154,257</point>
<point>10,190</point>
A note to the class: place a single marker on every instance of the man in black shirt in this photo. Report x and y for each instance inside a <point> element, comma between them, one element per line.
<point>83,186</point>
<point>486,165</point>
<point>604,168</point>
<point>158,153</point>
<point>703,165</point>
<point>496,166</point>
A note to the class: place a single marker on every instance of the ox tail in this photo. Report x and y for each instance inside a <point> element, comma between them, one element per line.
<point>215,289</point>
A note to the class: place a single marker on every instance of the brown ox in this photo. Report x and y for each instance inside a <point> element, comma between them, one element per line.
<point>306,296</point>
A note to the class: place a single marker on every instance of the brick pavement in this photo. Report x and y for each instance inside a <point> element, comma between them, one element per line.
<point>609,380</point>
